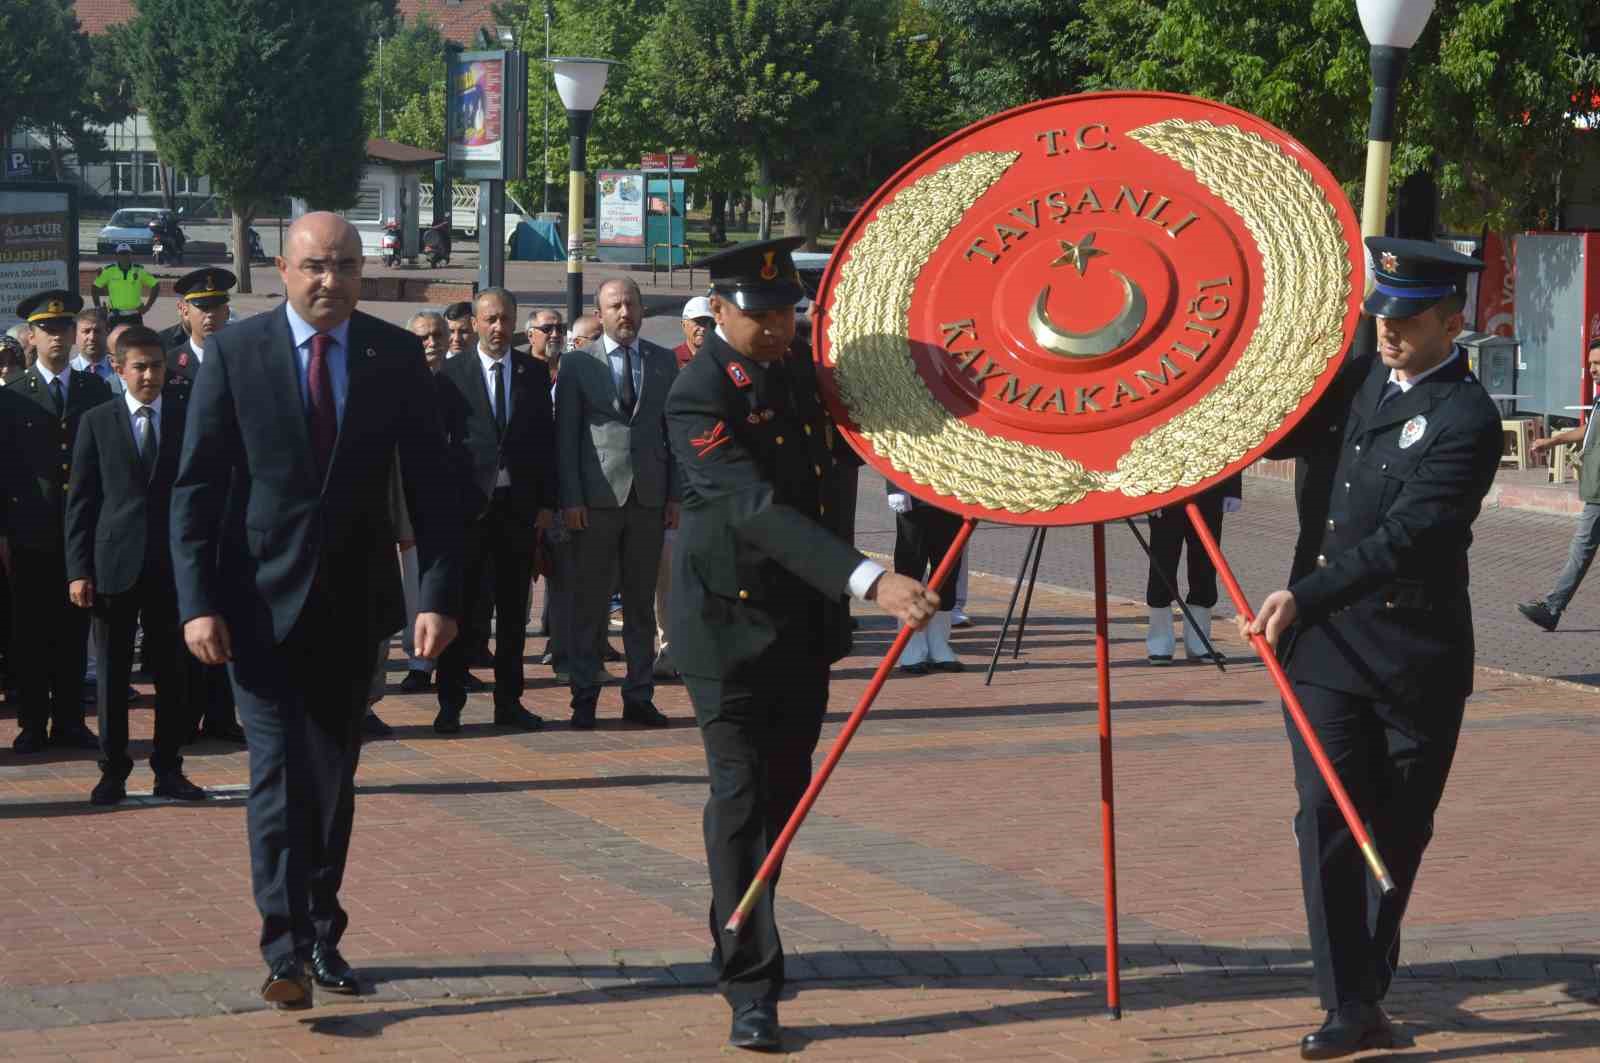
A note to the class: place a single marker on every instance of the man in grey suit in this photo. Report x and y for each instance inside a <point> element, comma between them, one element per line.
<point>619,494</point>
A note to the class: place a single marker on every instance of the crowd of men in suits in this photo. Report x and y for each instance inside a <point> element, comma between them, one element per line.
<point>565,476</point>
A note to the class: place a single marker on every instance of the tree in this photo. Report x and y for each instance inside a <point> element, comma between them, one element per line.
<point>41,52</point>
<point>405,72</point>
<point>1008,52</point>
<point>274,108</point>
<point>1486,102</point>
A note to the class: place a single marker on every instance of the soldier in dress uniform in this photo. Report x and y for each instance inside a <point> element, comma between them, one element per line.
<point>1375,627</point>
<point>203,307</point>
<point>50,636</point>
<point>761,580</point>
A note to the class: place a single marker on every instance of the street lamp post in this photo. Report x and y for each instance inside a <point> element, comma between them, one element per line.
<point>579,82</point>
<point>1392,27</point>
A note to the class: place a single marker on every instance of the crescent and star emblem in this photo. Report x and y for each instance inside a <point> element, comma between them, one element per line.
<point>1098,341</point>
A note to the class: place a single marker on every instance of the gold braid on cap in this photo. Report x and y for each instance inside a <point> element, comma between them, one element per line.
<point>1305,270</point>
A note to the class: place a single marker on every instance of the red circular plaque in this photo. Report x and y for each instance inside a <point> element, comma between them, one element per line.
<point>1088,307</point>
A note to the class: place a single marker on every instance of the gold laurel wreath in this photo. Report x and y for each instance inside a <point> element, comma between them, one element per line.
<point>1305,287</point>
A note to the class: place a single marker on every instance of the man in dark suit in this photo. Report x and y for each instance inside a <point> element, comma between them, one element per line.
<point>498,413</point>
<point>284,553</point>
<point>619,493</point>
<point>1375,627</point>
<point>119,558</point>
<point>50,637</point>
<point>761,578</point>
<point>203,307</point>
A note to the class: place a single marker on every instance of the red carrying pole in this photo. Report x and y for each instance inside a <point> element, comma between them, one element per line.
<point>1108,816</point>
<point>1313,745</point>
<point>774,859</point>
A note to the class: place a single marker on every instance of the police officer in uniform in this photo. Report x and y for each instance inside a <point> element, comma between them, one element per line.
<point>1375,627</point>
<point>761,579</point>
<point>50,635</point>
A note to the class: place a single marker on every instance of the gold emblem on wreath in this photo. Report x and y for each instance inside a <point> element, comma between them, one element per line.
<point>1305,276</point>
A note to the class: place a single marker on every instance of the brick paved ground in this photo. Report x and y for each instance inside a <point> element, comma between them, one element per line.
<point>542,897</point>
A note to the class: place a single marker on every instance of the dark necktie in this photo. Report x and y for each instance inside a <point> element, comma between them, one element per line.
<point>1390,390</point>
<point>59,395</point>
<point>499,395</point>
<point>147,441</point>
<point>324,420</point>
<point>629,395</point>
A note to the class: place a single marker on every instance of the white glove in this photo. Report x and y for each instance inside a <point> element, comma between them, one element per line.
<point>900,503</point>
<point>1232,505</point>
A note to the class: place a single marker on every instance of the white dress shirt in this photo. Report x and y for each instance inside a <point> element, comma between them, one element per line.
<point>614,357</point>
<point>487,365</point>
<point>198,351</point>
<point>867,572</point>
<point>134,406</point>
<point>1407,385</point>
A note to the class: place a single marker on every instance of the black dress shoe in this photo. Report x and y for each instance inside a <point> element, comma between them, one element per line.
<point>29,740</point>
<point>920,668</point>
<point>416,682</point>
<point>331,972</point>
<point>610,655</point>
<point>448,722</point>
<point>73,736</point>
<point>518,717</point>
<point>1350,1029</point>
<point>224,732</point>
<point>645,713</point>
<point>947,666</point>
<point>583,716</point>
<point>176,785</point>
<point>372,726</point>
<point>755,1026</point>
<point>110,790</point>
<point>1540,614</point>
<point>288,987</point>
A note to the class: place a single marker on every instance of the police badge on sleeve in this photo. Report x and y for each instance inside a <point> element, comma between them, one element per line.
<point>1412,431</point>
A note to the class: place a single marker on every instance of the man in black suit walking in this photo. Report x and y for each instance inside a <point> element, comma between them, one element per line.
<point>284,553</point>
<point>498,412</point>
<point>44,408</point>
<point>119,558</point>
<point>1375,626</point>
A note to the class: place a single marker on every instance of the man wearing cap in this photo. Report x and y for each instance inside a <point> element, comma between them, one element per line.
<point>50,636</point>
<point>761,578</point>
<point>697,323</point>
<point>130,290</point>
<point>203,306</point>
<point>1375,627</point>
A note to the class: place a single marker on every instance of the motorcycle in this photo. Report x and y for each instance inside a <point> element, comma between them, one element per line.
<point>436,244</point>
<point>257,253</point>
<point>167,240</point>
<point>390,244</point>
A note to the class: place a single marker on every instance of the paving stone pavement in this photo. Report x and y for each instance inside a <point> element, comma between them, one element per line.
<point>541,897</point>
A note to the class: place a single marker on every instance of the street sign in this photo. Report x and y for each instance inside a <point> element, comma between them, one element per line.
<point>17,165</point>
<point>678,162</point>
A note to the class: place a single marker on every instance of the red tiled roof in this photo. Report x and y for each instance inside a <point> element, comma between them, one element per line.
<point>458,20</point>
<point>96,15</point>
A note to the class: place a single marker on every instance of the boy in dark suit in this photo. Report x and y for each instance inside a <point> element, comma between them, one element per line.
<point>118,562</point>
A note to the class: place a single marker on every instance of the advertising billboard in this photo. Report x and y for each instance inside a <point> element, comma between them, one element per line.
<point>38,242</point>
<point>619,215</point>
<point>486,115</point>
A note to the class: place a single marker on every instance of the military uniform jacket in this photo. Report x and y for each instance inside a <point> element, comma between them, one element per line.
<point>1380,577</point>
<point>42,447</point>
<point>758,562</point>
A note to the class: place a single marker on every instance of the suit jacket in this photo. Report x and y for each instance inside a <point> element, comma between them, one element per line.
<point>1387,504</point>
<point>604,454</point>
<point>40,448</point>
<point>181,361</point>
<point>760,562</point>
<point>252,523</point>
<point>118,524</point>
<point>527,447</point>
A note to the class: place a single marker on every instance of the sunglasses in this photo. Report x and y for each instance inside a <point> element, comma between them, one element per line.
<point>550,329</point>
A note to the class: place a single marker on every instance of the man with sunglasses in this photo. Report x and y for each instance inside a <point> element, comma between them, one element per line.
<point>547,337</point>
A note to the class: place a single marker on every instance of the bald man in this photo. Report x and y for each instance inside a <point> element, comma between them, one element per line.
<point>283,548</point>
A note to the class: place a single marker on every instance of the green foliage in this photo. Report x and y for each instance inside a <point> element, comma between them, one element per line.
<point>406,74</point>
<point>1007,52</point>
<point>43,54</point>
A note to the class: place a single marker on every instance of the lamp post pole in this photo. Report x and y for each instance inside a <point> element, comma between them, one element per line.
<point>544,165</point>
<point>1392,27</point>
<point>580,83</point>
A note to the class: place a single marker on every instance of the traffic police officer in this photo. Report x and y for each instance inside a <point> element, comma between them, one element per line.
<point>49,635</point>
<point>1375,627</point>
<point>761,577</point>
<point>203,309</point>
